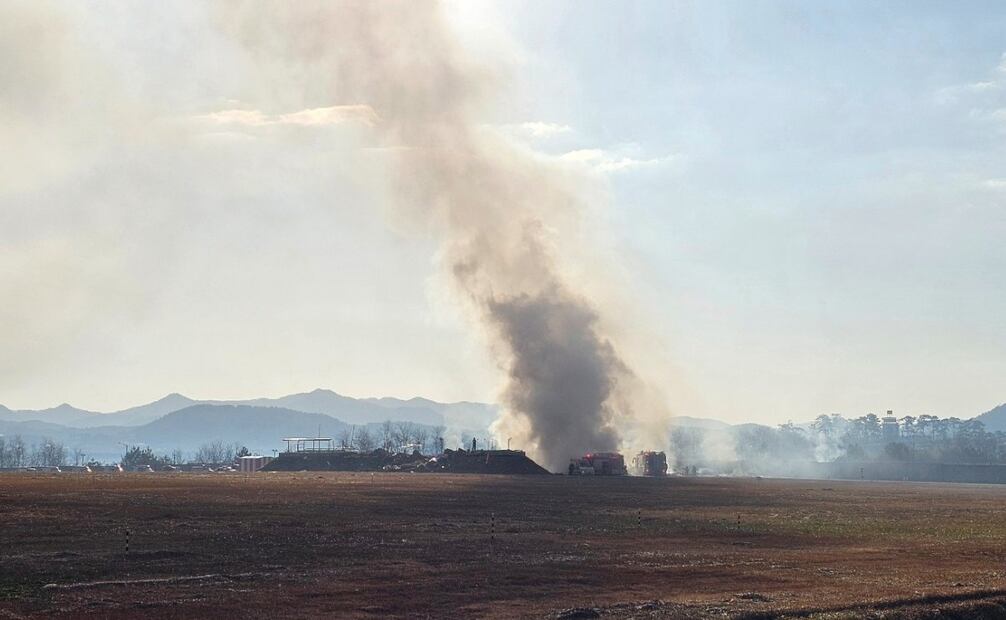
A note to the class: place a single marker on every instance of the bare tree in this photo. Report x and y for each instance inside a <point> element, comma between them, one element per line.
<point>57,452</point>
<point>364,440</point>
<point>421,434</point>
<point>237,450</point>
<point>402,435</point>
<point>204,454</point>
<point>48,453</point>
<point>79,458</point>
<point>345,437</point>
<point>177,456</point>
<point>214,452</point>
<point>18,451</point>
<point>387,435</point>
<point>438,438</point>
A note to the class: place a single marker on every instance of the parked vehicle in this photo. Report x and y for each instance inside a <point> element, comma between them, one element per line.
<point>598,464</point>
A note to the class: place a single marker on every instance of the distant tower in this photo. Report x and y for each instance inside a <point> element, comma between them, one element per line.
<point>889,426</point>
<point>473,444</point>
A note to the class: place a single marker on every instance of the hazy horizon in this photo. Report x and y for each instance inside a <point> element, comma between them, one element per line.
<point>225,399</point>
<point>791,209</point>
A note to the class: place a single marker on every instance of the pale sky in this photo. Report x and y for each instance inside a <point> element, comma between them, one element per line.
<point>810,200</point>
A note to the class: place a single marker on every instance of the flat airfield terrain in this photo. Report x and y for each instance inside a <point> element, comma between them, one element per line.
<point>433,545</point>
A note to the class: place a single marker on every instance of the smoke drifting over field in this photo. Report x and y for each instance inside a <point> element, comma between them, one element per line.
<point>492,206</point>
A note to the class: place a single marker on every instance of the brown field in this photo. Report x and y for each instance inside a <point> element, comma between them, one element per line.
<point>419,545</point>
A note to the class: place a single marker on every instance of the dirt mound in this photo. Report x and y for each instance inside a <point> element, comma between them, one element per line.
<point>484,462</point>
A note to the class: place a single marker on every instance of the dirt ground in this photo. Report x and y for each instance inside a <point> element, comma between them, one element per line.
<point>436,545</point>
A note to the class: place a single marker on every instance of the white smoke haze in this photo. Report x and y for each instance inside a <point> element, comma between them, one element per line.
<point>126,172</point>
<point>331,115</point>
<point>499,213</point>
<point>826,447</point>
<point>758,450</point>
<point>719,447</point>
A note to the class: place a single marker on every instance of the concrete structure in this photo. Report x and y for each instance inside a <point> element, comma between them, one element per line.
<point>251,464</point>
<point>889,427</point>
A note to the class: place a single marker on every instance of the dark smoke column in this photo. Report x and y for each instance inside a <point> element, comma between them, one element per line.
<point>499,212</point>
<point>560,377</point>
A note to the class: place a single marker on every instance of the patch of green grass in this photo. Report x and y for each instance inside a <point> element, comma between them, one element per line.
<point>14,591</point>
<point>832,525</point>
<point>873,528</point>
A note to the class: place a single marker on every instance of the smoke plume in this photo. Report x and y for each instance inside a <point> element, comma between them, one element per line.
<point>496,209</point>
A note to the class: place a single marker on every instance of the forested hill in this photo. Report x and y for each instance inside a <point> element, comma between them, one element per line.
<point>995,419</point>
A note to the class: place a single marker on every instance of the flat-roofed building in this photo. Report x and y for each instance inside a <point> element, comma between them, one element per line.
<point>251,464</point>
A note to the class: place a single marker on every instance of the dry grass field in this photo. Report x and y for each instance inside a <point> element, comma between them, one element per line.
<point>422,545</point>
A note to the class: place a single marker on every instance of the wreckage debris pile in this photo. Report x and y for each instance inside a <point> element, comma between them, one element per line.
<point>346,460</point>
<point>451,461</point>
<point>484,462</point>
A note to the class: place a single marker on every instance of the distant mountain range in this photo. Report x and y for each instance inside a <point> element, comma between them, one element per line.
<point>179,422</point>
<point>63,414</point>
<point>259,428</point>
<point>326,402</point>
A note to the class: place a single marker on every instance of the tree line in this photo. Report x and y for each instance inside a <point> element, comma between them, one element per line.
<point>393,437</point>
<point>923,438</point>
<point>390,436</point>
<point>212,453</point>
<point>14,453</point>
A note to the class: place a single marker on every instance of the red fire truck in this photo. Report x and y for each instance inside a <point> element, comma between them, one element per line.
<point>650,464</point>
<point>598,464</point>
